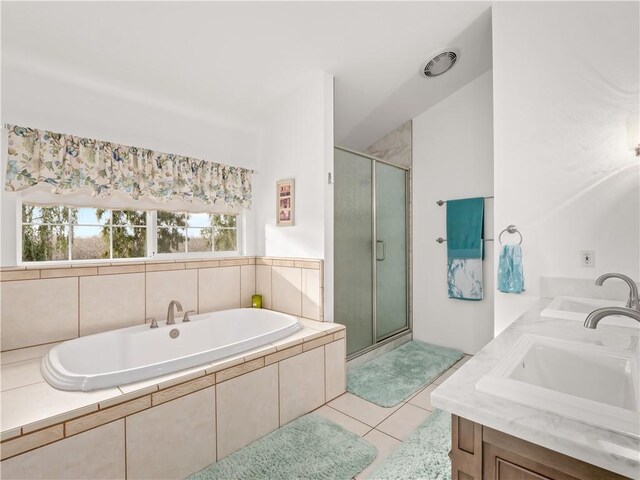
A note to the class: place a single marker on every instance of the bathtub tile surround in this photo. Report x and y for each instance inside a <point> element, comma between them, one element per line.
<point>218,288</point>
<point>121,304</point>
<point>164,286</point>
<point>44,304</point>
<point>192,422</point>
<point>263,283</point>
<point>336,373</point>
<point>247,284</point>
<point>68,458</point>
<point>252,396</point>
<point>302,384</point>
<point>285,281</point>
<point>229,404</point>
<point>31,307</point>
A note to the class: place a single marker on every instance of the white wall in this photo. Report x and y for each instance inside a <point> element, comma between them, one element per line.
<point>294,143</point>
<point>566,78</point>
<point>452,158</point>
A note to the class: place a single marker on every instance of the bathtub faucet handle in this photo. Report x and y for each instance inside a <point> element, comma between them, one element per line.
<point>170,311</point>
<point>154,323</point>
<point>186,315</point>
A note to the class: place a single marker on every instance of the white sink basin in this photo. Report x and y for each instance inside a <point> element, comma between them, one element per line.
<point>592,384</point>
<point>577,308</point>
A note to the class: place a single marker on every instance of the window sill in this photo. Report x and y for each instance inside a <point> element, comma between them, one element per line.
<point>33,271</point>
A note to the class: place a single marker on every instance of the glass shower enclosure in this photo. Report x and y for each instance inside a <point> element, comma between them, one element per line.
<point>370,249</point>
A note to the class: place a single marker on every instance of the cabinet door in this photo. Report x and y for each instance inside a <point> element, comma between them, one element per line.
<point>508,471</point>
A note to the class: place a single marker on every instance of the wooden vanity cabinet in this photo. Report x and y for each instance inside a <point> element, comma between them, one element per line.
<point>481,453</point>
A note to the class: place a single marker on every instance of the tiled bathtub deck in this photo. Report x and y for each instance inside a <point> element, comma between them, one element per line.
<point>34,414</point>
<point>385,428</point>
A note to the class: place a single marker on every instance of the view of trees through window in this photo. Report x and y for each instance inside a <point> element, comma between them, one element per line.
<point>51,233</point>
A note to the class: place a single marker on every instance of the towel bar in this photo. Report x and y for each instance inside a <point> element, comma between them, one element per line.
<point>442,240</point>
<point>442,202</point>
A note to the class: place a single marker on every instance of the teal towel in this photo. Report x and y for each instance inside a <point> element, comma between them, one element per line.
<point>465,220</point>
<point>510,275</point>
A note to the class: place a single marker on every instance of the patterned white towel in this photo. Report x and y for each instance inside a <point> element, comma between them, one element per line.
<point>464,278</point>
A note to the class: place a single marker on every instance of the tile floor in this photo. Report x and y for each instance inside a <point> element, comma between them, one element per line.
<point>385,428</point>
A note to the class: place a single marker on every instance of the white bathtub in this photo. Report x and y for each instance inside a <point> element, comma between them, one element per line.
<point>139,353</point>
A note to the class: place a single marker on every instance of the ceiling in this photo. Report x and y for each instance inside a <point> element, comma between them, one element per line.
<point>233,61</point>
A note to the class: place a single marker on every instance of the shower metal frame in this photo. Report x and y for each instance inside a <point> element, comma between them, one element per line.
<point>408,245</point>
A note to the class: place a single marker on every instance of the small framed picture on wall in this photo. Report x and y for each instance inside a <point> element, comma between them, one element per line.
<point>285,191</point>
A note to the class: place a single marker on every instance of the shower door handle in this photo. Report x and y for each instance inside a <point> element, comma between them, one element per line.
<point>384,251</point>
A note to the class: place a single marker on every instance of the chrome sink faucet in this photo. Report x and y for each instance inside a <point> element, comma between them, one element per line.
<point>170,312</point>
<point>597,315</point>
<point>633,302</point>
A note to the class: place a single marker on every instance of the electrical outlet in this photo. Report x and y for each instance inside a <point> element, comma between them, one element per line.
<point>587,258</point>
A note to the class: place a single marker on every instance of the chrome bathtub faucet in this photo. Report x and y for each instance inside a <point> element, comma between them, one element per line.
<point>597,315</point>
<point>633,302</point>
<point>170,311</point>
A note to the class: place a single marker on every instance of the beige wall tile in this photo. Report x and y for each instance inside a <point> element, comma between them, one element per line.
<point>41,402</point>
<point>301,384</point>
<point>119,269</point>
<point>238,370</point>
<point>281,355</point>
<point>183,389</point>
<point>108,302</point>
<point>230,262</point>
<point>38,311</point>
<point>286,290</point>
<point>247,284</point>
<point>31,441</point>
<point>20,374</point>
<point>313,264</point>
<point>219,288</point>
<point>263,284</point>
<point>316,342</point>
<point>11,275</point>
<point>247,409</point>
<point>27,353</point>
<point>311,298</point>
<point>162,287</point>
<point>68,272</point>
<point>203,264</point>
<point>174,439</point>
<point>8,434</point>
<point>162,267</point>
<point>335,354</point>
<point>96,454</point>
<point>107,415</point>
<point>283,262</point>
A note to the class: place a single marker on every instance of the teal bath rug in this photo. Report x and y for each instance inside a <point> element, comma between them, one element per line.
<point>390,378</point>
<point>310,447</point>
<point>425,454</point>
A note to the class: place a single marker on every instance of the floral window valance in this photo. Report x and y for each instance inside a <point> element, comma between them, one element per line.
<point>69,164</point>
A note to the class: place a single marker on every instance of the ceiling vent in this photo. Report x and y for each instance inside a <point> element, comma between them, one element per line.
<point>440,63</point>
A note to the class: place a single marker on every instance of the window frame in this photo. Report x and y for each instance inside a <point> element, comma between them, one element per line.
<point>152,241</point>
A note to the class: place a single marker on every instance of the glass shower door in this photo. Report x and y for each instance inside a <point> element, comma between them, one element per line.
<point>353,248</point>
<point>391,250</point>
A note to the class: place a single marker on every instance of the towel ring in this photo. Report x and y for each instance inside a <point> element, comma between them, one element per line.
<point>510,229</point>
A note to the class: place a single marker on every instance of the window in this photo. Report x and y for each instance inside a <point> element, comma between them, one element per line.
<point>61,233</point>
<point>196,232</point>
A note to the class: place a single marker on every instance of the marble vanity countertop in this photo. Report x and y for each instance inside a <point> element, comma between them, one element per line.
<point>598,446</point>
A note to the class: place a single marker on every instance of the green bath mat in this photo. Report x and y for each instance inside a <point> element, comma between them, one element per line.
<point>390,378</point>
<point>310,447</point>
<point>425,454</point>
